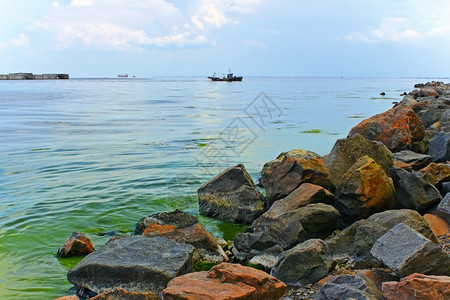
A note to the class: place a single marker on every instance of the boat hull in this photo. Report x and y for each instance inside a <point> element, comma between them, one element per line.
<point>226,79</point>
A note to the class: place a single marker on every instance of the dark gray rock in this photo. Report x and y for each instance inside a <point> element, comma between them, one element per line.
<point>347,151</point>
<point>355,242</point>
<point>349,287</point>
<point>231,196</point>
<point>417,161</point>
<point>413,191</point>
<point>305,263</point>
<point>445,188</point>
<point>247,245</point>
<point>432,113</point>
<point>443,209</point>
<point>134,263</point>
<point>439,148</point>
<point>177,218</point>
<point>405,251</point>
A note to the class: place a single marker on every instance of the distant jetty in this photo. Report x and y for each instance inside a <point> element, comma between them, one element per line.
<point>31,76</point>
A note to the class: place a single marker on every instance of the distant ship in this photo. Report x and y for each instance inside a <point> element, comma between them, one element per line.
<point>122,75</point>
<point>229,77</point>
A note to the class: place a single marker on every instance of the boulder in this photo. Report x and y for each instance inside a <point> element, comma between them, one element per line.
<point>443,209</point>
<point>156,229</point>
<point>354,243</point>
<point>73,297</point>
<point>418,286</point>
<point>231,196</point>
<point>417,161</point>
<point>349,287</point>
<point>428,92</point>
<point>436,173</point>
<point>76,245</point>
<point>293,227</point>
<point>408,101</point>
<point>247,245</point>
<point>225,282</point>
<point>305,263</point>
<point>364,189</point>
<point>437,225</point>
<point>397,128</point>
<point>177,218</point>
<point>413,191</point>
<point>405,251</point>
<point>134,263</point>
<point>347,151</point>
<point>432,113</point>
<point>121,294</point>
<point>283,175</point>
<point>378,276</point>
<point>440,147</point>
<point>445,188</point>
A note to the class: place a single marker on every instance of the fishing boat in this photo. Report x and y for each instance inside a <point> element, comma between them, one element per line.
<point>122,76</point>
<point>229,77</point>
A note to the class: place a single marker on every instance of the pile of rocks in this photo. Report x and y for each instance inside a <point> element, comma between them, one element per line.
<point>370,220</point>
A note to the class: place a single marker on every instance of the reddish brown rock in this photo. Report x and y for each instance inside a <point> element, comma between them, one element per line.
<point>438,226</point>
<point>427,92</point>
<point>73,297</point>
<point>436,173</point>
<point>418,286</point>
<point>397,128</point>
<point>156,229</point>
<point>122,294</point>
<point>225,281</point>
<point>378,276</point>
<point>77,244</point>
<point>403,165</point>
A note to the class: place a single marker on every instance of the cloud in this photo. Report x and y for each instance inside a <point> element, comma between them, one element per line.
<point>20,41</point>
<point>139,24</point>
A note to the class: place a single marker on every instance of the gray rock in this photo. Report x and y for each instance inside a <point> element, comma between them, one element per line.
<point>432,114</point>
<point>134,263</point>
<point>177,218</point>
<point>445,188</point>
<point>408,101</point>
<point>247,245</point>
<point>305,263</point>
<point>405,251</point>
<point>413,191</point>
<point>349,287</point>
<point>440,147</point>
<point>231,196</point>
<point>347,151</point>
<point>443,209</point>
<point>355,242</point>
<point>417,161</point>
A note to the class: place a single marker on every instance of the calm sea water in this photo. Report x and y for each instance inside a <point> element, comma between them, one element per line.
<point>97,155</point>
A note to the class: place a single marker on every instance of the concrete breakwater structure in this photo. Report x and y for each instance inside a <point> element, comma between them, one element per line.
<point>31,76</point>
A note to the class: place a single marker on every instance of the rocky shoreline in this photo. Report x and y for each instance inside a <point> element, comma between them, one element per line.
<point>370,220</point>
<point>31,76</point>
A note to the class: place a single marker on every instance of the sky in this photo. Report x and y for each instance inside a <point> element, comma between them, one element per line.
<point>146,38</point>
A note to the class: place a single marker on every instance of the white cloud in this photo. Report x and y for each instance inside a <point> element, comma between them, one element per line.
<point>140,23</point>
<point>20,41</point>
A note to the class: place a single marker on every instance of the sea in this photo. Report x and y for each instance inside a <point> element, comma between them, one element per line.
<point>97,155</point>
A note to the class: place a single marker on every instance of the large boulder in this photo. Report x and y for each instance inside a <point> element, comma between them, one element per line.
<point>134,263</point>
<point>432,113</point>
<point>436,173</point>
<point>349,287</point>
<point>231,196</point>
<point>225,282</point>
<point>440,147</point>
<point>283,175</point>
<point>347,151</point>
<point>305,263</point>
<point>122,294</point>
<point>398,128</point>
<point>413,191</point>
<point>76,245</point>
<point>177,218</point>
<point>418,286</point>
<point>364,189</point>
<point>405,251</point>
<point>415,160</point>
<point>354,243</point>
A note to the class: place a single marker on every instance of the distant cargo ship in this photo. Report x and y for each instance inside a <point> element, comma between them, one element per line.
<point>122,75</point>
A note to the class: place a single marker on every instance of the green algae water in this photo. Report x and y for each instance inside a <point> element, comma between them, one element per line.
<point>96,155</point>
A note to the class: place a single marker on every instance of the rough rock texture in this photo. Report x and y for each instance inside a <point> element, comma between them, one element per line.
<point>76,245</point>
<point>364,189</point>
<point>176,218</point>
<point>355,242</point>
<point>135,263</point>
<point>305,263</point>
<point>156,229</point>
<point>293,227</point>
<point>121,294</point>
<point>283,175</point>
<point>73,297</point>
<point>432,113</point>
<point>436,173</point>
<point>231,196</point>
<point>348,287</point>
<point>405,251</point>
<point>440,147</point>
<point>443,209</point>
<point>417,161</point>
<point>225,281</point>
<point>413,191</point>
<point>247,245</point>
<point>418,286</point>
<point>438,226</point>
<point>378,276</point>
<point>398,128</point>
<point>347,151</point>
